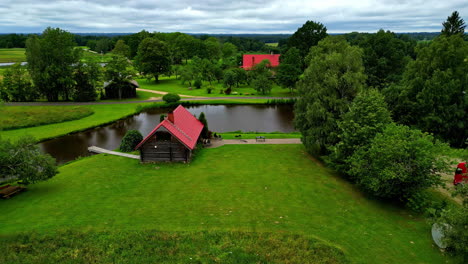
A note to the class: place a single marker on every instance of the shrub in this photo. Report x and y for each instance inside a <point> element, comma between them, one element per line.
<point>209,90</point>
<point>197,83</point>
<point>130,140</point>
<point>171,98</point>
<point>397,163</point>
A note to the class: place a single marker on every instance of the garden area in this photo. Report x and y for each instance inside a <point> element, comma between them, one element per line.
<point>280,189</point>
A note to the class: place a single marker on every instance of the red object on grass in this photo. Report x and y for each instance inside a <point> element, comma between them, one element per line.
<point>461,174</point>
<point>250,60</point>
<point>182,125</point>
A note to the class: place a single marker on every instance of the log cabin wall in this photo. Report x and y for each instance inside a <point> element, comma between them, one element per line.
<point>164,147</point>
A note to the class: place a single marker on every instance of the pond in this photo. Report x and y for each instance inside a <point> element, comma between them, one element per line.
<point>221,118</point>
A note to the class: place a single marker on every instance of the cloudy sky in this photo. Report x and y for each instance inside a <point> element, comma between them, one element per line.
<point>211,16</point>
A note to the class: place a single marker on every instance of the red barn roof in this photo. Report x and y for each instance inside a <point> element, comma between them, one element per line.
<point>182,125</point>
<point>250,60</point>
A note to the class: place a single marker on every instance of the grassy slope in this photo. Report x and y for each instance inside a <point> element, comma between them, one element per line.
<point>29,116</point>
<point>102,114</point>
<point>12,55</point>
<point>253,135</point>
<point>170,84</point>
<point>261,188</point>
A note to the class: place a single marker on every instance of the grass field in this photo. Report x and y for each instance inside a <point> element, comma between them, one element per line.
<point>13,117</point>
<point>253,135</point>
<point>272,44</point>
<point>153,246</point>
<point>262,188</point>
<point>12,55</point>
<point>172,85</point>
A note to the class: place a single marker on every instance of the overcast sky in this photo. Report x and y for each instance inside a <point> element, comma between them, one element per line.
<point>210,16</point>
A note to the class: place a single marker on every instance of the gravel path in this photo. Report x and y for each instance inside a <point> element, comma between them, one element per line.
<point>219,143</point>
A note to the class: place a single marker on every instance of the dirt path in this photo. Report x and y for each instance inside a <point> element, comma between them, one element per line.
<point>163,93</point>
<point>219,143</point>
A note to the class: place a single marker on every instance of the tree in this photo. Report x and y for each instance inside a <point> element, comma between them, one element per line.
<point>262,84</point>
<point>131,139</point>
<point>103,45</point>
<point>50,60</point>
<point>17,86</point>
<point>23,161</point>
<point>153,57</point>
<point>205,131</point>
<point>87,78</point>
<point>187,74</point>
<point>241,76</point>
<point>229,78</point>
<point>398,162</point>
<point>367,116</point>
<point>385,58</point>
<point>454,25</point>
<point>119,73</point>
<point>121,49</point>
<point>289,70</point>
<point>433,92</point>
<point>330,83</point>
<point>213,48</point>
<point>229,50</point>
<point>307,36</point>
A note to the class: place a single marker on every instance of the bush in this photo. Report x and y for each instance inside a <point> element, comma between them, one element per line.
<point>397,163</point>
<point>198,84</point>
<point>209,90</point>
<point>171,98</point>
<point>130,140</point>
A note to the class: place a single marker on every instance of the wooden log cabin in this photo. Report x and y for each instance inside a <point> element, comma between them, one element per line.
<point>173,139</point>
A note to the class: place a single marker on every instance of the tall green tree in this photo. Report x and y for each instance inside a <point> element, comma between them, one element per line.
<point>122,49</point>
<point>307,36</point>
<point>289,69</point>
<point>153,58</point>
<point>87,78</point>
<point>261,75</point>
<point>385,58</point>
<point>22,160</point>
<point>16,85</point>
<point>205,131</point>
<point>433,92</point>
<point>213,48</point>
<point>50,60</point>
<point>454,25</point>
<point>367,116</point>
<point>334,76</point>
<point>229,50</point>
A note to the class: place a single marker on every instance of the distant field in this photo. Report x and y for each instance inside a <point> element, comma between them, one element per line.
<point>12,55</point>
<point>272,44</point>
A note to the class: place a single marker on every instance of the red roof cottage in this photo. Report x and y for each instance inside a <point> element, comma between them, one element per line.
<point>250,60</point>
<point>173,139</point>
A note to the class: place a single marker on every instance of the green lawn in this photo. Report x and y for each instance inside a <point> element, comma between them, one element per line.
<point>12,55</point>
<point>14,117</point>
<point>246,188</point>
<point>253,135</point>
<point>96,57</point>
<point>102,114</point>
<point>172,85</point>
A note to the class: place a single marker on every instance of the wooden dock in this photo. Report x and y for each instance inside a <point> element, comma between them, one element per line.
<point>99,150</point>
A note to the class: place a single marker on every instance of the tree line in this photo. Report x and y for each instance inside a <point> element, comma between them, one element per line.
<point>379,107</point>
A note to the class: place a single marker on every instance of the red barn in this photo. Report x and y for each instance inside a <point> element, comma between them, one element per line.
<point>250,60</point>
<point>173,139</point>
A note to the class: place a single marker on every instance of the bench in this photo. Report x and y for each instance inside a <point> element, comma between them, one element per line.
<point>7,191</point>
<point>260,139</point>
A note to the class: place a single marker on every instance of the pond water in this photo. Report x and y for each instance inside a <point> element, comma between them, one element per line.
<point>221,118</point>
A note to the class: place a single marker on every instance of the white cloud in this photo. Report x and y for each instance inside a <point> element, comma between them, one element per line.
<point>211,16</point>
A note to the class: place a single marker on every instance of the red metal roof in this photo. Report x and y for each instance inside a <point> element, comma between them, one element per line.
<point>250,60</point>
<point>186,128</point>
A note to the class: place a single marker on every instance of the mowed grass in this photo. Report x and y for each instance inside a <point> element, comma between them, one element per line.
<point>172,85</point>
<point>246,188</point>
<point>253,135</point>
<point>13,117</point>
<point>12,55</point>
<point>103,114</point>
<point>151,246</point>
